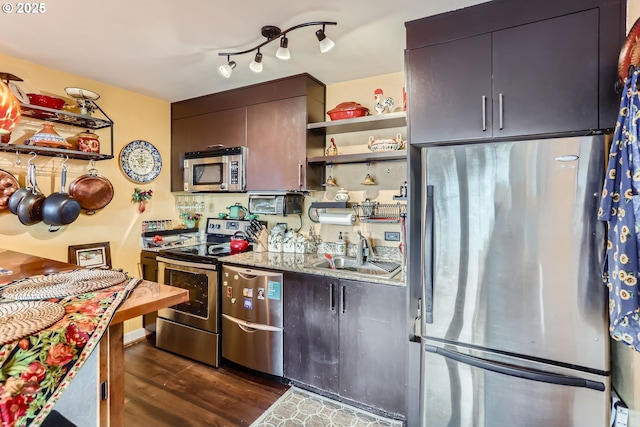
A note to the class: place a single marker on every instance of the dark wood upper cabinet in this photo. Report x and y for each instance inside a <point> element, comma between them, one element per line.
<point>513,68</point>
<point>545,76</point>
<point>204,132</point>
<point>269,118</point>
<point>276,134</point>
<point>446,90</point>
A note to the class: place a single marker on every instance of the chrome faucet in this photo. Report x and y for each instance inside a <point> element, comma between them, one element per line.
<point>362,253</point>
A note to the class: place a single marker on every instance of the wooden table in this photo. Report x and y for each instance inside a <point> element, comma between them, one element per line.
<point>146,298</point>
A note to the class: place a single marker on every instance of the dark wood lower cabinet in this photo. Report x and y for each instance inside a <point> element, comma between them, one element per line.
<point>311,343</point>
<point>373,345</point>
<point>347,338</point>
<point>149,271</point>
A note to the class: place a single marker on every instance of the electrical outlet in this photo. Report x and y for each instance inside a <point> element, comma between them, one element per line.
<point>392,236</point>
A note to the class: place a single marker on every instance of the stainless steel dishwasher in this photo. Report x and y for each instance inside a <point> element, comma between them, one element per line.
<point>252,318</point>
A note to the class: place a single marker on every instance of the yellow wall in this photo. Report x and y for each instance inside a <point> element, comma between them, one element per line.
<point>119,223</point>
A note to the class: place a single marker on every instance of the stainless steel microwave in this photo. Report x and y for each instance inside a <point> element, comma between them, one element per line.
<point>219,170</point>
<point>276,204</point>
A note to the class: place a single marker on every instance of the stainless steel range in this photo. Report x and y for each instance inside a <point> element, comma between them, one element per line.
<point>192,329</point>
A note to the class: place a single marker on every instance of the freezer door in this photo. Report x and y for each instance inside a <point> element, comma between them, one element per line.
<point>512,248</point>
<point>468,390</point>
<point>252,295</point>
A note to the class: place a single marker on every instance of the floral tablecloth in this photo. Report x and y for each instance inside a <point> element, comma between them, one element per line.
<point>35,370</point>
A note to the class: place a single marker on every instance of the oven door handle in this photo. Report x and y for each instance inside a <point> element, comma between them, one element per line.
<point>186,263</point>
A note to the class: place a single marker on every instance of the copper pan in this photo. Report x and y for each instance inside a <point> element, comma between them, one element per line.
<point>8,186</point>
<point>92,191</point>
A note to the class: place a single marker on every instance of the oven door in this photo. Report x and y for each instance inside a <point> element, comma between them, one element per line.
<point>201,280</point>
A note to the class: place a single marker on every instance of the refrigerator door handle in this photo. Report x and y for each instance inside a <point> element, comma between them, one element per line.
<point>527,374</point>
<point>428,255</point>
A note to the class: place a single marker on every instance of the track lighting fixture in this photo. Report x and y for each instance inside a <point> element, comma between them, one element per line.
<point>272,33</point>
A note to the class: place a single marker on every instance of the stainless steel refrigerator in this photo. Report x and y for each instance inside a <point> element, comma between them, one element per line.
<point>514,324</point>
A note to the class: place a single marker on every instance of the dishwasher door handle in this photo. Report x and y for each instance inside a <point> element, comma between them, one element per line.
<point>251,327</point>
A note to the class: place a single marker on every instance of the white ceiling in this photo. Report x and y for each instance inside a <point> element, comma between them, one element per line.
<point>169,49</point>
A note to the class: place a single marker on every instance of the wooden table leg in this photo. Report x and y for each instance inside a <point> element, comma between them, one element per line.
<point>112,372</point>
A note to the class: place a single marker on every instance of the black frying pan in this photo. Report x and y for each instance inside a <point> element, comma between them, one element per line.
<point>30,207</point>
<point>60,208</point>
<point>18,195</point>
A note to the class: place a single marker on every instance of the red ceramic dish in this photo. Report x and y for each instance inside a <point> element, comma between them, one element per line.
<point>347,110</point>
<point>45,101</point>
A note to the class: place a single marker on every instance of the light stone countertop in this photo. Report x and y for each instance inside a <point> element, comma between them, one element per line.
<point>303,263</point>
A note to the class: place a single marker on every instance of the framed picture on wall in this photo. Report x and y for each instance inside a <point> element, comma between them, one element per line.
<point>91,255</point>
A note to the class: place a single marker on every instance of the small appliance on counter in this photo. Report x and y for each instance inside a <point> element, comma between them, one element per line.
<point>282,204</point>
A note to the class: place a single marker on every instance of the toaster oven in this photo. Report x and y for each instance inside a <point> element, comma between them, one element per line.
<point>276,204</point>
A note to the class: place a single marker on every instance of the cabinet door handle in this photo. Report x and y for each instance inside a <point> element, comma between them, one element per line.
<point>332,300</point>
<point>344,299</point>
<point>501,111</point>
<point>300,165</point>
<point>484,113</point>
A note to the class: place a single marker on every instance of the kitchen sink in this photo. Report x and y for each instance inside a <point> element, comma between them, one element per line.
<point>378,268</point>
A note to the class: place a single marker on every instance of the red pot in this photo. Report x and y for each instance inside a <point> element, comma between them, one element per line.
<point>347,110</point>
<point>239,242</point>
<point>45,101</point>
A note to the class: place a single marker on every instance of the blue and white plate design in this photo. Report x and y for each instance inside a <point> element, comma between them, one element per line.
<point>140,161</point>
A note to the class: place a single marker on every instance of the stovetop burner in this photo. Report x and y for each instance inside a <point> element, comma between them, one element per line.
<point>203,252</point>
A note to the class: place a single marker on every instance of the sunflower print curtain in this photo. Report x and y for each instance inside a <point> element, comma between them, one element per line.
<point>620,207</point>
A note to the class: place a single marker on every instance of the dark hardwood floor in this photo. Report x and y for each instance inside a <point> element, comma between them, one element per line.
<point>166,390</point>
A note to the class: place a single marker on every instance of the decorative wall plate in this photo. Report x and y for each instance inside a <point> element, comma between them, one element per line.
<point>140,161</point>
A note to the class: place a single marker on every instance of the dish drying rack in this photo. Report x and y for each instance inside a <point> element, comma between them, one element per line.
<point>380,212</point>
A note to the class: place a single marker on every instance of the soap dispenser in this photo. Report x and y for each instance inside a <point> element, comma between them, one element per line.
<point>341,245</point>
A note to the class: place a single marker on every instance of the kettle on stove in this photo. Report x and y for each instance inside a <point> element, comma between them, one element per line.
<point>237,211</point>
<point>239,242</point>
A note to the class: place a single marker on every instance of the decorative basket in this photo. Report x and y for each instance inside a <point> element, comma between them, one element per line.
<point>389,144</point>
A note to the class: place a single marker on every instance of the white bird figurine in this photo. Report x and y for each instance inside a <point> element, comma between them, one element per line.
<point>382,106</point>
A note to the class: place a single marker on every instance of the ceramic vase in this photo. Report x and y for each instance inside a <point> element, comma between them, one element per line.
<point>88,142</point>
<point>48,137</point>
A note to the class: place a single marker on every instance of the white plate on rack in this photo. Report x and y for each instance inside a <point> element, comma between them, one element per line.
<point>77,93</point>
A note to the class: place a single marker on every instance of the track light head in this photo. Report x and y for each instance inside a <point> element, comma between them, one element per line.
<point>227,69</point>
<point>326,44</point>
<point>256,64</point>
<point>283,51</point>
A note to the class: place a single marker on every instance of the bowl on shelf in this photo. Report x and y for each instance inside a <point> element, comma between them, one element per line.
<point>387,144</point>
<point>45,101</point>
<point>347,110</point>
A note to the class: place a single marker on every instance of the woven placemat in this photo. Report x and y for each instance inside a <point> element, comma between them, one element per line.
<point>22,318</point>
<point>62,285</point>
